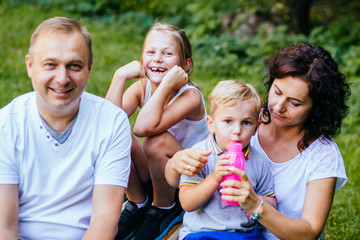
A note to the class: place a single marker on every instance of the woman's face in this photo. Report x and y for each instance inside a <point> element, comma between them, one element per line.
<point>289,102</point>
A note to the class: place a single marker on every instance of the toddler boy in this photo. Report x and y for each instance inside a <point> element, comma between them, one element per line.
<point>234,111</point>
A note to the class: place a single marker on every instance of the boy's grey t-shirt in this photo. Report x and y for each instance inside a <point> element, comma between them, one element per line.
<point>217,216</point>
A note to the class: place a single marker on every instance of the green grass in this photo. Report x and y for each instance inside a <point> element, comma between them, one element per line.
<point>115,44</point>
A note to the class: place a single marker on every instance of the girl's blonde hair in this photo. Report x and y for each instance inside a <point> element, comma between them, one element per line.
<point>229,93</point>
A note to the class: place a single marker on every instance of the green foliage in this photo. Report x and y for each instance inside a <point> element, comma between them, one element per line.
<point>340,34</point>
<point>15,33</point>
<point>351,61</point>
<point>118,29</point>
<point>344,219</point>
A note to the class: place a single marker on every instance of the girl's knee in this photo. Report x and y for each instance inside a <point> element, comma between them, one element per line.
<point>162,146</point>
<point>154,145</point>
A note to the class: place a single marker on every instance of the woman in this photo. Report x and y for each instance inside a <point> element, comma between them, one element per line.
<point>303,111</point>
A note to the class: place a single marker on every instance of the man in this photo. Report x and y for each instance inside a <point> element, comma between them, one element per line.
<point>64,153</point>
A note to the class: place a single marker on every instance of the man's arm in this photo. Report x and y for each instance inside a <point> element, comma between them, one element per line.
<point>9,209</point>
<point>106,209</point>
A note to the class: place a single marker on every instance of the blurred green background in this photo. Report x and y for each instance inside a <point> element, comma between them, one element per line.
<point>230,39</point>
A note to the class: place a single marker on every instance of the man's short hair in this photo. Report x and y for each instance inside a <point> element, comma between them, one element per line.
<point>65,25</point>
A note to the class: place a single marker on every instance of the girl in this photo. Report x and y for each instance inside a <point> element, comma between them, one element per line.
<point>172,117</point>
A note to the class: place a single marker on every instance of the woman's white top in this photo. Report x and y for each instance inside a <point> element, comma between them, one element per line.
<point>322,159</point>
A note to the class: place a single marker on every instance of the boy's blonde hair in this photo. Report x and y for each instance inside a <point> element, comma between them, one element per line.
<point>229,93</point>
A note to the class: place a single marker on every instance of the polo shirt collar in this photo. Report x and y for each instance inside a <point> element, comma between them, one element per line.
<point>218,151</point>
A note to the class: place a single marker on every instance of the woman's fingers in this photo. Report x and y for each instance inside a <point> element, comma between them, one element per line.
<point>192,161</point>
<point>240,191</point>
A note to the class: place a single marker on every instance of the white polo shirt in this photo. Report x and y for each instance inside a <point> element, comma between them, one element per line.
<point>56,180</point>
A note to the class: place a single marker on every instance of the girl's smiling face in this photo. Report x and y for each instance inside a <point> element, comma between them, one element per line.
<point>160,54</point>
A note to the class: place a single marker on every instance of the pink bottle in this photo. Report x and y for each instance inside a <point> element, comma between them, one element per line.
<point>237,157</point>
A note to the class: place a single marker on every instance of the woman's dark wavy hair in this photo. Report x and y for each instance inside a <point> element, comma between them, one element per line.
<point>329,90</point>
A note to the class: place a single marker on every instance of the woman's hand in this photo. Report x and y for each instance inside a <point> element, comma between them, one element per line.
<point>189,161</point>
<point>241,192</point>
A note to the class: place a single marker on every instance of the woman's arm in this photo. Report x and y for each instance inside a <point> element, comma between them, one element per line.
<point>317,205</point>
<point>187,162</point>
<point>157,116</point>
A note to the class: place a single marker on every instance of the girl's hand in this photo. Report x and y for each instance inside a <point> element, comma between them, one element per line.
<point>242,192</point>
<point>130,99</point>
<point>131,70</point>
<point>221,168</point>
<point>189,161</point>
<point>175,78</point>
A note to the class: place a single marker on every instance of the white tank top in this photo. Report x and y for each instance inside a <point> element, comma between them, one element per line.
<point>186,132</point>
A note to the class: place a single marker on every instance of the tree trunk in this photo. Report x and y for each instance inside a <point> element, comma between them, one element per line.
<point>299,11</point>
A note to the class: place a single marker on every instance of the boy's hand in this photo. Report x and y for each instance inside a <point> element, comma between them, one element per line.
<point>221,168</point>
<point>131,70</point>
<point>175,78</point>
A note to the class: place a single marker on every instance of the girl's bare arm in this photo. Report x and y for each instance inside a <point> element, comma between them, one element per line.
<point>129,100</point>
<point>156,116</point>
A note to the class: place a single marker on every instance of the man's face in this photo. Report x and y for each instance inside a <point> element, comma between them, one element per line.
<point>59,70</point>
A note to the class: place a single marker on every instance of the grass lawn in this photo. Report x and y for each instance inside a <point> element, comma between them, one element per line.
<point>115,45</point>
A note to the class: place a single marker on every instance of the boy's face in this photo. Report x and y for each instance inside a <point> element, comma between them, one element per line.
<point>233,124</point>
